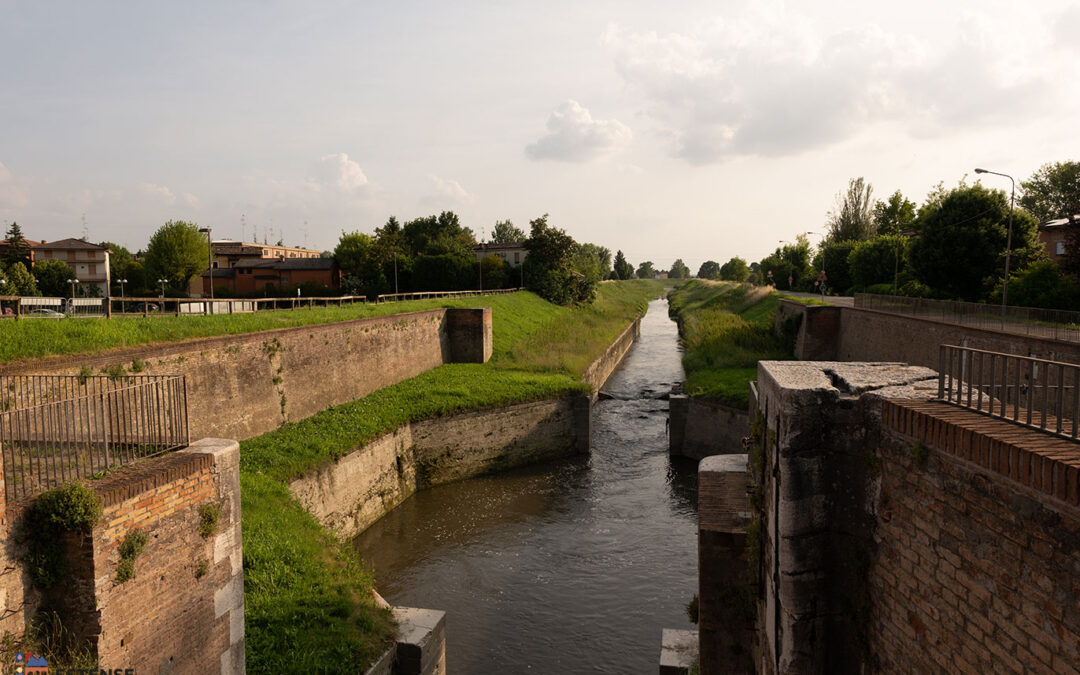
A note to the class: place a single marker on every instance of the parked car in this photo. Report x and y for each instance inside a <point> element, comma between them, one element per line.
<point>45,313</point>
<point>146,307</point>
<point>7,311</point>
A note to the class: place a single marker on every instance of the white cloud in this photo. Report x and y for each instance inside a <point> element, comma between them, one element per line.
<point>158,192</point>
<point>574,136</point>
<point>1066,28</point>
<point>447,192</point>
<point>338,171</point>
<point>191,200</point>
<point>764,84</point>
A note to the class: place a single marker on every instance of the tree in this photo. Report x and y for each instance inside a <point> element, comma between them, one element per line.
<point>550,272</point>
<point>834,260</point>
<point>894,216</point>
<point>1042,284</point>
<point>355,254</point>
<point>53,277</point>
<point>496,272</point>
<point>710,269</point>
<point>646,270</point>
<point>679,270</point>
<point>506,233</point>
<point>20,280</point>
<point>439,235</point>
<point>853,219</point>
<point>1053,191</point>
<point>623,270</point>
<point>734,270</point>
<point>791,261</point>
<point>18,250</point>
<point>873,262</point>
<point>177,252</point>
<point>593,261</point>
<point>959,250</point>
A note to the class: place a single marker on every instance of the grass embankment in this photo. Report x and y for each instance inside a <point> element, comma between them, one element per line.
<point>35,338</point>
<point>726,329</point>
<point>307,596</point>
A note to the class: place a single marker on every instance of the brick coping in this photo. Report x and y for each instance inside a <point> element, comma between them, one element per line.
<point>1035,459</point>
<point>148,474</point>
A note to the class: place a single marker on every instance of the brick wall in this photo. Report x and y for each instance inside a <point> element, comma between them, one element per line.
<point>978,566</point>
<point>245,385</point>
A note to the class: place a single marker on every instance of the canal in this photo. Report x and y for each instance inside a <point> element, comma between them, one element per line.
<point>568,567</point>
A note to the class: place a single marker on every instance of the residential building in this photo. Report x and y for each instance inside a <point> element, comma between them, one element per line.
<point>512,253</point>
<point>228,252</point>
<point>1054,234</point>
<point>252,276</point>
<point>90,262</point>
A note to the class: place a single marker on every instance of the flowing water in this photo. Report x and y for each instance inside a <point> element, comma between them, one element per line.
<point>573,566</point>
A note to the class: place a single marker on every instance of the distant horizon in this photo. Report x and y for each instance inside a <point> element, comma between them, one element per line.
<point>694,130</point>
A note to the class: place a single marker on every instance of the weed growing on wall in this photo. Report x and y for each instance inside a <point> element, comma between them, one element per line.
<point>919,452</point>
<point>72,507</point>
<point>130,549</point>
<point>209,517</point>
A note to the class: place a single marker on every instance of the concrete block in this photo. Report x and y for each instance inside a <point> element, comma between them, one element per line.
<point>421,642</point>
<point>678,651</point>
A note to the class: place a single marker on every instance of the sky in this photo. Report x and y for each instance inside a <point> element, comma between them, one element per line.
<point>676,129</point>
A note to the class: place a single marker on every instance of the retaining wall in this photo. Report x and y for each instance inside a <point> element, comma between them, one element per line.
<point>702,428</point>
<point>856,334</point>
<point>241,386</point>
<point>600,370</point>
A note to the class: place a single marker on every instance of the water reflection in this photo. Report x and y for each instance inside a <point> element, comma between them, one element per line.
<point>572,566</point>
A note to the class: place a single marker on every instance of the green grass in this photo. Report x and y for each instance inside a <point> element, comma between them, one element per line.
<point>726,329</point>
<point>307,595</point>
<point>35,338</point>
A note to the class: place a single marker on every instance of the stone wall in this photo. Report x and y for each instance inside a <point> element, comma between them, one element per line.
<point>600,370</point>
<point>350,494</point>
<point>702,428</point>
<point>245,385</point>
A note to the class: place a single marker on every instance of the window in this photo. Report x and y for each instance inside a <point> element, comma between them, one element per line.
<point>48,254</point>
<point>71,255</point>
<point>517,257</point>
<point>1060,250</point>
<point>93,269</point>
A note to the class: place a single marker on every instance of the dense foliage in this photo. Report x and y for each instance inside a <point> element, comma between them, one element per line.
<point>177,251</point>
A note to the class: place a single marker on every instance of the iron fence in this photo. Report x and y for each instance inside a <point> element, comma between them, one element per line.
<point>424,295</point>
<point>1032,392</point>
<point>57,428</point>
<point>1047,323</point>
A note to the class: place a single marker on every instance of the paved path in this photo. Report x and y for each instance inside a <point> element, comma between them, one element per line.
<point>839,300</point>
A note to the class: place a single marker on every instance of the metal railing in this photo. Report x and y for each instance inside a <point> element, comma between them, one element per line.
<point>1047,323</point>
<point>424,295</point>
<point>58,428</point>
<point>1032,392</point>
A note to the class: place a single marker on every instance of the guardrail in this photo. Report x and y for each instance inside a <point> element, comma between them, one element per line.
<point>1048,323</point>
<point>424,295</point>
<point>1033,392</point>
<point>14,306</point>
<point>58,428</point>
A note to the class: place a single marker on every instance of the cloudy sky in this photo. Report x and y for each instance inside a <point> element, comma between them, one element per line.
<point>699,130</point>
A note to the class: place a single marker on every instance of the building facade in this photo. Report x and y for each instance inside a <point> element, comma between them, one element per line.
<point>90,262</point>
<point>1054,236</point>
<point>259,276</point>
<point>512,253</point>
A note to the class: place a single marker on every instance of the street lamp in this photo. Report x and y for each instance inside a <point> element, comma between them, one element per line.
<point>1008,241</point>
<point>163,282</point>
<point>209,259</point>
<point>74,283</point>
<point>121,282</point>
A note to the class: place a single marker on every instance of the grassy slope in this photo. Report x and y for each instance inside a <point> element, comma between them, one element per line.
<point>727,329</point>
<point>307,596</point>
<point>35,338</point>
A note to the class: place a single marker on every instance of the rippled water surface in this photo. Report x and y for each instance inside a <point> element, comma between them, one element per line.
<point>569,567</point>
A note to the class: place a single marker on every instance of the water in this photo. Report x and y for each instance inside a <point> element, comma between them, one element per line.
<point>573,566</point>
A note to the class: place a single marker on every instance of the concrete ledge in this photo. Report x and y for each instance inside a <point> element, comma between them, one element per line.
<point>421,642</point>
<point>678,651</point>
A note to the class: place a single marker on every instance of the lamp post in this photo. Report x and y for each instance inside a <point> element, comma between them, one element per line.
<point>1008,241</point>
<point>73,283</point>
<point>209,259</point>
<point>163,282</point>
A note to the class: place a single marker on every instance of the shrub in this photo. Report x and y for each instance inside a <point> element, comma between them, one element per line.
<point>209,515</point>
<point>874,262</point>
<point>130,549</point>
